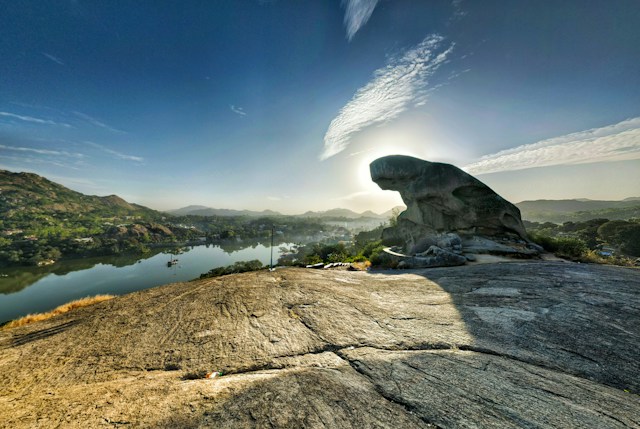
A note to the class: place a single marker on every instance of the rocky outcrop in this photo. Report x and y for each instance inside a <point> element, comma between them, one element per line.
<point>136,230</point>
<point>443,202</point>
<point>156,228</point>
<point>520,344</point>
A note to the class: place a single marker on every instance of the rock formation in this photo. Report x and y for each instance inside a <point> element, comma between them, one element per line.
<point>445,203</point>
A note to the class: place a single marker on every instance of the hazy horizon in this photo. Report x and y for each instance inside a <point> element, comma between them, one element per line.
<point>281,105</point>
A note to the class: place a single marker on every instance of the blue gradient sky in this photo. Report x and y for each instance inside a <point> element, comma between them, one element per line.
<point>282,104</point>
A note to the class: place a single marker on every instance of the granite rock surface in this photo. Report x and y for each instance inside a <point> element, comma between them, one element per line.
<point>519,344</point>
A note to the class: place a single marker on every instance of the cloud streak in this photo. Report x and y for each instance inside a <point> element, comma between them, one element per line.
<point>617,142</point>
<point>97,123</point>
<point>28,149</point>
<point>394,88</point>
<point>116,154</point>
<point>34,120</point>
<point>357,14</point>
<point>239,110</point>
<point>53,58</point>
<point>19,161</point>
<point>41,151</point>
<point>353,196</point>
<point>458,11</point>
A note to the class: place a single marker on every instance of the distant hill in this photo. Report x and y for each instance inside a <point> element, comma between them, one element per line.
<point>208,211</point>
<point>187,210</point>
<point>575,210</point>
<point>329,214</point>
<point>389,213</point>
<point>42,222</point>
<point>30,195</point>
<point>340,213</point>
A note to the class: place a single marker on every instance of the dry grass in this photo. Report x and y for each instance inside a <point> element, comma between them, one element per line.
<point>361,266</point>
<point>594,257</point>
<point>64,308</point>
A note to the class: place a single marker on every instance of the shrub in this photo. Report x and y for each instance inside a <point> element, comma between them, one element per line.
<point>371,248</point>
<point>358,258</point>
<point>624,234</point>
<point>380,259</point>
<point>312,259</point>
<point>238,267</point>
<point>569,247</point>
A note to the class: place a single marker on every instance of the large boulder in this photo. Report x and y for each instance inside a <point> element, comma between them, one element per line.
<point>441,199</point>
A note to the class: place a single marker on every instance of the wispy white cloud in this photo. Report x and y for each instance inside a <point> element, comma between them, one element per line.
<point>458,11</point>
<point>352,196</point>
<point>278,198</point>
<point>455,74</point>
<point>29,149</point>
<point>239,110</point>
<point>117,154</point>
<point>53,58</point>
<point>97,123</point>
<point>360,152</point>
<point>34,120</point>
<point>357,14</point>
<point>18,162</point>
<point>41,151</point>
<point>394,88</point>
<point>615,142</point>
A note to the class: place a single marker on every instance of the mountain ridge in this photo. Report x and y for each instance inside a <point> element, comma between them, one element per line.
<point>29,192</point>
<point>199,210</point>
<point>559,211</point>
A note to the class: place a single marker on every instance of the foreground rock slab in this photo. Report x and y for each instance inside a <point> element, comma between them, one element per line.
<point>519,344</point>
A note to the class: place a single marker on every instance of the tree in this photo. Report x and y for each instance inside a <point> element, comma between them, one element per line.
<point>393,219</point>
<point>625,235</point>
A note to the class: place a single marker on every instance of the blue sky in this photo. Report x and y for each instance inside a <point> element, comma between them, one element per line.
<point>282,104</point>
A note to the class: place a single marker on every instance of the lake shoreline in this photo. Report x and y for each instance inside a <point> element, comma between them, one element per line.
<point>27,290</point>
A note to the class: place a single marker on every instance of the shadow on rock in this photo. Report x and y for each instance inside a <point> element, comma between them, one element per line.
<point>578,319</point>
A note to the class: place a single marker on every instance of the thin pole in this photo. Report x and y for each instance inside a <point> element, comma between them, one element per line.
<point>272,231</point>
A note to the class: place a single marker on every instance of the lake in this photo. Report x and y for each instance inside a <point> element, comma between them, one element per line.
<point>25,290</point>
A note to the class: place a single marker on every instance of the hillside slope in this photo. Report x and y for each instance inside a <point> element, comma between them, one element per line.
<point>535,344</point>
<point>197,210</point>
<point>30,194</point>
<point>42,221</point>
<point>559,211</point>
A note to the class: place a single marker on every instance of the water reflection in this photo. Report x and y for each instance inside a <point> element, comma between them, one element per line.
<point>26,290</point>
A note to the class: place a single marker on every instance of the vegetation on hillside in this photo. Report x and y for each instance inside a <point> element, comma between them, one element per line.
<point>595,240</point>
<point>235,228</point>
<point>560,211</point>
<point>238,267</point>
<point>366,246</point>
<point>41,222</point>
